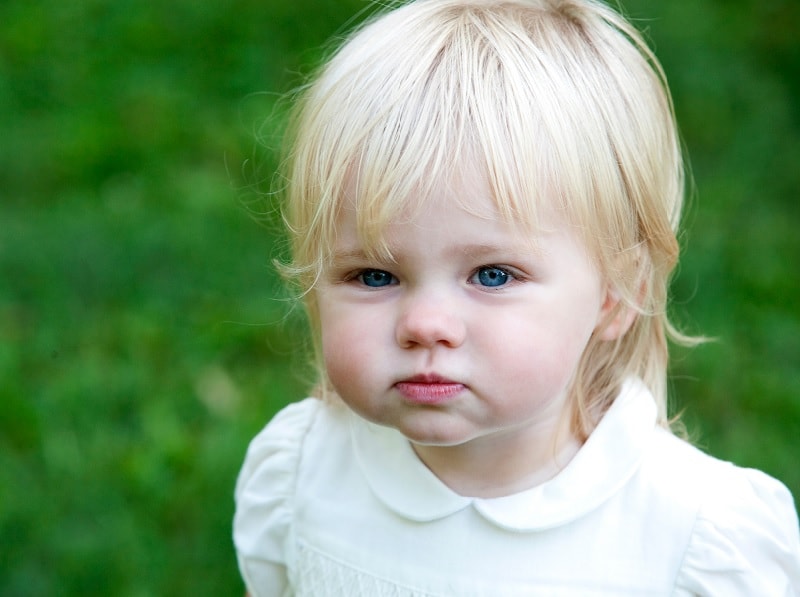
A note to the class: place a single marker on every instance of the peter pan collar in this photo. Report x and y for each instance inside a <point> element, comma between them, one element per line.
<point>607,460</point>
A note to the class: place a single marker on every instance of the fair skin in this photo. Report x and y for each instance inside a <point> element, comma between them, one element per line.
<point>466,341</point>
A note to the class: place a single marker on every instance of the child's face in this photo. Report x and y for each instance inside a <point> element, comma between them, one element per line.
<point>471,335</point>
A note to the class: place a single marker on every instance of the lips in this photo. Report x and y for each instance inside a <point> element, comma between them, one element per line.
<point>429,389</point>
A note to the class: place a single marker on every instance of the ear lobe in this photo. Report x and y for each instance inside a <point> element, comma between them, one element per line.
<point>616,318</point>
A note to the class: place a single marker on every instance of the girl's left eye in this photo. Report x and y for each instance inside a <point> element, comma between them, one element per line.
<point>491,276</point>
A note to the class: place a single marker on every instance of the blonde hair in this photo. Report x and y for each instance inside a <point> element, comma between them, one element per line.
<point>557,100</point>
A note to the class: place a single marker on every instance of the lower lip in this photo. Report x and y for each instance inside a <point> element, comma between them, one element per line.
<point>428,393</point>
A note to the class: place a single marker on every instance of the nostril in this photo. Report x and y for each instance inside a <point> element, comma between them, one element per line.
<point>429,327</point>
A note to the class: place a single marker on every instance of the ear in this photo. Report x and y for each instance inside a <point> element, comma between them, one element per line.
<point>616,317</point>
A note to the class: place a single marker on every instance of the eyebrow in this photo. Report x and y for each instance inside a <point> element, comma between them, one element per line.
<point>347,257</point>
<point>483,250</point>
<point>349,254</point>
<point>512,251</point>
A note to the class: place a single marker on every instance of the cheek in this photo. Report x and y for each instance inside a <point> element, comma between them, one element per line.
<point>342,371</point>
<point>347,343</point>
<point>338,351</point>
<point>546,350</point>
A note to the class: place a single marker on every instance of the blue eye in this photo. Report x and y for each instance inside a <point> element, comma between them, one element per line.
<point>491,276</point>
<point>375,278</point>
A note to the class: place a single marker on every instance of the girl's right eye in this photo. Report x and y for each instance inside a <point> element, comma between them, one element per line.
<point>375,278</point>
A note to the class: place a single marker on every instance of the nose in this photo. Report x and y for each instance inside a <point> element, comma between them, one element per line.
<point>429,322</point>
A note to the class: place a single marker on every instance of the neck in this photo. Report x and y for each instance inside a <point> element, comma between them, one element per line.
<point>501,464</point>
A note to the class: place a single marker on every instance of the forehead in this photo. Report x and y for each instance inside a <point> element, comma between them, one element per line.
<point>460,186</point>
<point>463,204</point>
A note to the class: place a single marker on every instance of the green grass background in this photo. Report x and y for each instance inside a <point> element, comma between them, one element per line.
<point>143,335</point>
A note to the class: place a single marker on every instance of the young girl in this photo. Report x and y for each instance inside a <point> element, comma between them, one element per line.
<point>483,198</point>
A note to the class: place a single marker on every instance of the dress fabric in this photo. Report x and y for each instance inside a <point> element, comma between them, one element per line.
<point>330,505</point>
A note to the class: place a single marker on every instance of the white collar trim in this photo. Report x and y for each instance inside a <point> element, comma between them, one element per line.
<point>606,461</point>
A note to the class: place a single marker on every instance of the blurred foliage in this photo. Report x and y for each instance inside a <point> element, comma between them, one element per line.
<point>143,335</point>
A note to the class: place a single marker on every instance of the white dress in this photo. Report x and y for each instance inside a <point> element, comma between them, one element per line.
<point>331,505</point>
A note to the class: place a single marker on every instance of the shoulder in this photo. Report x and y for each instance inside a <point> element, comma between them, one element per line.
<point>267,485</point>
<point>744,539</point>
<point>284,435</point>
<point>274,456</point>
